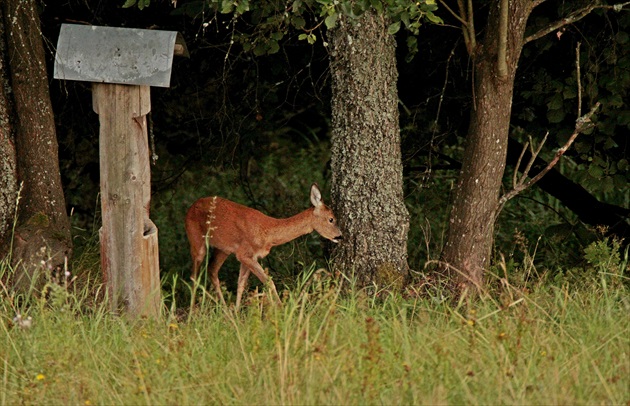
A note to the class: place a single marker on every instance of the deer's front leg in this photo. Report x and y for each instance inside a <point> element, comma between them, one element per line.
<point>243,276</point>
<point>257,270</point>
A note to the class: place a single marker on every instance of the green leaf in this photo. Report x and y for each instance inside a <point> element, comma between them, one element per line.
<point>227,6</point>
<point>302,37</point>
<point>615,100</point>
<point>311,38</point>
<point>583,147</point>
<point>623,118</point>
<point>608,184</point>
<point>412,47</point>
<point>129,3</point>
<point>622,164</point>
<point>242,7</point>
<point>298,22</point>
<point>378,6</point>
<point>404,17</point>
<point>555,102</point>
<point>259,49</point>
<point>433,18</point>
<point>331,21</point>
<point>569,92</point>
<point>610,143</point>
<point>274,47</point>
<point>555,116</point>
<point>393,28</point>
<point>595,171</point>
<point>620,181</point>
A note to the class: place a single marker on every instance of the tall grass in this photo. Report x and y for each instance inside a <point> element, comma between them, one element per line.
<point>558,345</point>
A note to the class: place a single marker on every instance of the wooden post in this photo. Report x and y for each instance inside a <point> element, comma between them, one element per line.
<point>122,63</point>
<point>129,239</point>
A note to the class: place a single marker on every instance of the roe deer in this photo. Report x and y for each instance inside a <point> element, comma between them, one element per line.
<point>231,228</point>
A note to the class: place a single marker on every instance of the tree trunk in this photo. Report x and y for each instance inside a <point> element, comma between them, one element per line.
<point>471,230</point>
<point>8,164</point>
<point>367,189</point>
<point>42,236</point>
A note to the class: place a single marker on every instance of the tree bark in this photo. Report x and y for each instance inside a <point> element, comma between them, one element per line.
<point>366,163</point>
<point>42,235</point>
<point>8,164</point>
<point>471,230</point>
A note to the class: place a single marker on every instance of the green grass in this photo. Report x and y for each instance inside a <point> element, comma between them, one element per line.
<point>553,346</point>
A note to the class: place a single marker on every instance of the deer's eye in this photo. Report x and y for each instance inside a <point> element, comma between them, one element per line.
<point>331,220</point>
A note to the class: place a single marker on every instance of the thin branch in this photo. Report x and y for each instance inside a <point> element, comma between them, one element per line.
<point>517,183</point>
<point>466,18</point>
<point>453,13</point>
<point>518,165</point>
<point>571,18</point>
<point>504,11</point>
<point>579,81</point>
<point>471,28</point>
<point>534,154</point>
<point>582,124</point>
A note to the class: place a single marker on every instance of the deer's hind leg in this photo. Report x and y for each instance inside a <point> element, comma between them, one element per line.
<point>197,241</point>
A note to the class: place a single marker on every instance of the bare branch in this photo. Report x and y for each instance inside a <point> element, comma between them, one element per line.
<point>518,165</point>
<point>466,18</point>
<point>459,18</point>
<point>571,18</point>
<point>579,81</point>
<point>503,33</point>
<point>471,28</point>
<point>581,124</point>
<point>517,183</point>
<point>534,156</point>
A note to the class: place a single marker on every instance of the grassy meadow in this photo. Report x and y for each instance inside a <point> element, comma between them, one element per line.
<point>329,343</point>
<point>547,332</point>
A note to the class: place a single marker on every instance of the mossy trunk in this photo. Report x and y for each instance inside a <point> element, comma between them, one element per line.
<point>367,187</point>
<point>42,235</point>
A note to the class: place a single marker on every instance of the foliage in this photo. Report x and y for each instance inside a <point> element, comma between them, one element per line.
<point>141,4</point>
<point>548,99</point>
<point>273,20</point>
<point>231,125</point>
<point>604,256</point>
<point>562,346</point>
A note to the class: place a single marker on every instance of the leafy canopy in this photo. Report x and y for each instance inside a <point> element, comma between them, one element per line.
<point>263,24</point>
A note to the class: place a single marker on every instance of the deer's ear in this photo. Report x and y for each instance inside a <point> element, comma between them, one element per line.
<point>316,196</point>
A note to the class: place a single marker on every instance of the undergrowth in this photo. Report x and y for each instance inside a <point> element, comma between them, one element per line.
<point>329,343</point>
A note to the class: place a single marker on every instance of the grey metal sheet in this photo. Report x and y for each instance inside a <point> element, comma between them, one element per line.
<point>115,55</point>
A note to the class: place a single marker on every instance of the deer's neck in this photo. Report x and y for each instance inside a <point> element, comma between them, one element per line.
<point>285,230</point>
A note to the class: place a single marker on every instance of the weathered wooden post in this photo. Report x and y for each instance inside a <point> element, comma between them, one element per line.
<point>123,63</point>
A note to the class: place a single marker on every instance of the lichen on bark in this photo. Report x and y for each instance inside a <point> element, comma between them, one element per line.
<point>366,163</point>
